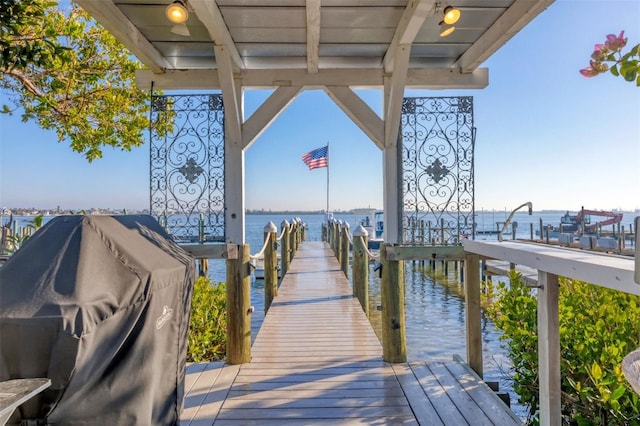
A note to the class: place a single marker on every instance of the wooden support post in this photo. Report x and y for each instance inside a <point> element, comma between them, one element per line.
<point>549,349</point>
<point>541,230</point>
<point>394,339</point>
<point>323,232</point>
<point>472,310</point>
<point>204,267</point>
<point>292,240</point>
<point>531,231</point>
<point>361,268</point>
<point>284,247</point>
<point>270,265</point>
<point>344,254</point>
<point>238,304</point>
<point>338,250</point>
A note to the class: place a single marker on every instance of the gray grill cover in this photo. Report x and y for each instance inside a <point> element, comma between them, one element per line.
<point>101,306</point>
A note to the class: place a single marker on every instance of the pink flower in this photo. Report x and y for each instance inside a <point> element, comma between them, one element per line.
<point>589,72</point>
<point>599,52</point>
<point>614,43</point>
<point>594,69</point>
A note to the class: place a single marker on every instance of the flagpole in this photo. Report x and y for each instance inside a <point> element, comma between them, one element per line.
<point>328,163</point>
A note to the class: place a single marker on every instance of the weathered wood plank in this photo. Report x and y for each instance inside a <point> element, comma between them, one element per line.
<point>464,403</point>
<point>479,391</point>
<point>215,397</point>
<point>315,413</point>
<point>422,408</point>
<point>437,395</point>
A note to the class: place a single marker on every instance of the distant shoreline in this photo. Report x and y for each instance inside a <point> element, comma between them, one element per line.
<point>48,213</point>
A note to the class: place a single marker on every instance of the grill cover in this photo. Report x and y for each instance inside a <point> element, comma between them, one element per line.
<point>101,306</point>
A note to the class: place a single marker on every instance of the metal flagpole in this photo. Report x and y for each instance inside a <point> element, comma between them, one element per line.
<point>328,180</point>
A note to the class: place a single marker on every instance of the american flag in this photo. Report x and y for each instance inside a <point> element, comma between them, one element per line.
<point>317,158</point>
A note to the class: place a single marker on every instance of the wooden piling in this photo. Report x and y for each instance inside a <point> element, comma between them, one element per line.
<point>204,267</point>
<point>344,254</point>
<point>284,247</point>
<point>338,249</point>
<point>472,311</point>
<point>361,268</point>
<point>270,265</point>
<point>394,340</point>
<point>238,304</point>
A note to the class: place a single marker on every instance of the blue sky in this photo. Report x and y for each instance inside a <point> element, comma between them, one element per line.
<point>544,134</point>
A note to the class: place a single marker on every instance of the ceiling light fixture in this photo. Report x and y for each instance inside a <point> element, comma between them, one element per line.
<point>446,29</point>
<point>451,15</point>
<point>177,12</point>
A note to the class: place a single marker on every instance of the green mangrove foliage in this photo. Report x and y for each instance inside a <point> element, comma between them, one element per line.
<point>208,324</point>
<point>598,327</point>
<point>64,71</point>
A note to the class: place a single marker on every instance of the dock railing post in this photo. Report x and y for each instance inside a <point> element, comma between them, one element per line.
<point>394,339</point>
<point>338,250</point>
<point>472,311</point>
<point>361,267</point>
<point>293,239</point>
<point>284,247</point>
<point>270,265</point>
<point>344,255</point>
<point>549,349</point>
<point>303,227</point>
<point>238,304</point>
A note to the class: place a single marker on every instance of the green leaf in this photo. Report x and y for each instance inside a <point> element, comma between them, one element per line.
<point>617,393</point>
<point>614,70</point>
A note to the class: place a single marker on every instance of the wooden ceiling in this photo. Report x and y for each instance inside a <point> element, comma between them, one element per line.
<point>314,42</point>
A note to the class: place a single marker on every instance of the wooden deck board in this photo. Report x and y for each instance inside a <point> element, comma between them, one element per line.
<point>317,361</point>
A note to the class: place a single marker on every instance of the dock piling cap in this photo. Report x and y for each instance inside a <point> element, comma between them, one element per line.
<point>360,231</point>
<point>270,227</point>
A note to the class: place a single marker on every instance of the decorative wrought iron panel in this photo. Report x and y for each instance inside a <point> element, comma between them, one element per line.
<point>438,139</point>
<point>187,166</point>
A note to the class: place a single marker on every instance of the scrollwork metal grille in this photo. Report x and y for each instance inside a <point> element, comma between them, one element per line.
<point>437,160</point>
<point>187,166</point>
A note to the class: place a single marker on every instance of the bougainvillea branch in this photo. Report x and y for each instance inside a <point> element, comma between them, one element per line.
<point>609,57</point>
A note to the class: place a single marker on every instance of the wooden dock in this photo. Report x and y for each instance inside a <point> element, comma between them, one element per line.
<point>317,361</point>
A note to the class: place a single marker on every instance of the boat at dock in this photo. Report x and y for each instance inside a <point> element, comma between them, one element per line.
<point>581,223</point>
<point>372,221</point>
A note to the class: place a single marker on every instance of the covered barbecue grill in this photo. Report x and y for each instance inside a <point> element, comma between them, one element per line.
<point>100,305</point>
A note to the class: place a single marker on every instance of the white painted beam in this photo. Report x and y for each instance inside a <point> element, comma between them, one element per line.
<point>615,272</point>
<point>437,78</point>
<point>233,153</point>
<point>410,24</point>
<point>417,78</point>
<point>549,350</point>
<point>359,112</point>
<point>394,94</point>
<point>209,14</point>
<point>516,17</point>
<point>230,96</point>
<point>391,197</point>
<point>114,21</point>
<point>313,35</point>
<point>267,113</point>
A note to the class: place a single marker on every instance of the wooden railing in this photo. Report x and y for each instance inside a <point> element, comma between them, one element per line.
<point>615,272</point>
<point>237,257</point>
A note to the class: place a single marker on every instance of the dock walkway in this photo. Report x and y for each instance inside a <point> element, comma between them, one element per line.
<point>317,361</point>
